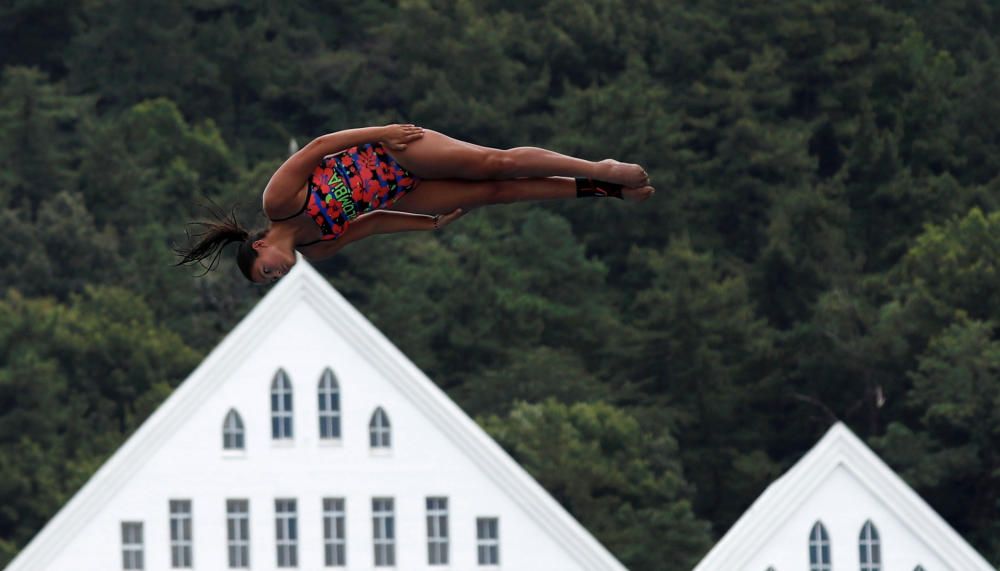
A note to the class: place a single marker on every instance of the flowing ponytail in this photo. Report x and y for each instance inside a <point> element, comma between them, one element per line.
<point>216,236</point>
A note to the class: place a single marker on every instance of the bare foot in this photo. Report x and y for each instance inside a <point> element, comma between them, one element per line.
<point>626,174</point>
<point>637,194</point>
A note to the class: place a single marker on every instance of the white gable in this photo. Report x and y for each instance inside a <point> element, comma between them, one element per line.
<point>303,326</point>
<point>842,484</point>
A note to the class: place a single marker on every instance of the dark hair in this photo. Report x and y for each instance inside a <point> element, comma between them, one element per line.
<point>217,235</point>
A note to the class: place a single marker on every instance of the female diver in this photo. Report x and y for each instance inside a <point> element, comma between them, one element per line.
<point>351,184</point>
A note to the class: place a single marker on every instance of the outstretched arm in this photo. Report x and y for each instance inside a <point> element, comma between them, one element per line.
<point>381,222</point>
<point>290,176</point>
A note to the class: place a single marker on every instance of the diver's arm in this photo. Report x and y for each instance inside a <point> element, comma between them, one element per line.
<point>380,222</point>
<point>390,221</point>
<point>396,136</point>
<point>286,183</point>
<point>358,229</point>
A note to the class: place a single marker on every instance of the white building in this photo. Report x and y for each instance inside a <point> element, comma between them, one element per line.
<point>841,508</point>
<point>307,440</point>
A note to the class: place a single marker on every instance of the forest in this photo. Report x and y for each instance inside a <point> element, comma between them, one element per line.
<point>823,244</point>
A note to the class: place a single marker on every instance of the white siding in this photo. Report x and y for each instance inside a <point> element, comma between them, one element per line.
<point>843,503</point>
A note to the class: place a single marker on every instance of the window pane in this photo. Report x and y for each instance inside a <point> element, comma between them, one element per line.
<point>132,545</point>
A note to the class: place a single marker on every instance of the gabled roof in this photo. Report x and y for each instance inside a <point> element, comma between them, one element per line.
<point>304,285</point>
<point>839,448</point>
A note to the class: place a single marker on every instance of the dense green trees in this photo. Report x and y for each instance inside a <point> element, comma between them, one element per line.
<point>626,482</point>
<point>75,378</point>
<point>823,243</point>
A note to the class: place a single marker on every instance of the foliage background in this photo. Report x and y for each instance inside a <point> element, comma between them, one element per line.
<point>823,245</point>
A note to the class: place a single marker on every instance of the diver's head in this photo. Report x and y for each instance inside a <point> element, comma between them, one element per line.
<point>260,260</point>
<point>265,261</point>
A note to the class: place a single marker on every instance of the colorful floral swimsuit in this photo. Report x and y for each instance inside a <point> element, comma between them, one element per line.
<point>348,184</point>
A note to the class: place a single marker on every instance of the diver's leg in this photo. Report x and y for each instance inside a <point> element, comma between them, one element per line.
<point>437,156</point>
<point>441,196</point>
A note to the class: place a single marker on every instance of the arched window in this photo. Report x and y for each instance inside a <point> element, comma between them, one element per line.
<point>819,549</point>
<point>329,406</point>
<point>871,551</point>
<point>378,429</point>
<point>281,407</point>
<point>232,431</point>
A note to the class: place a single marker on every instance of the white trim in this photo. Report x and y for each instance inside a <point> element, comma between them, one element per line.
<point>304,283</point>
<point>839,448</point>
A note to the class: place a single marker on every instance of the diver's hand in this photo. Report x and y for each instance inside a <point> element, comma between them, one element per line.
<point>442,220</point>
<point>397,136</point>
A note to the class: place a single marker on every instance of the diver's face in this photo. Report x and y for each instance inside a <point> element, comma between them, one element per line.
<point>271,263</point>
